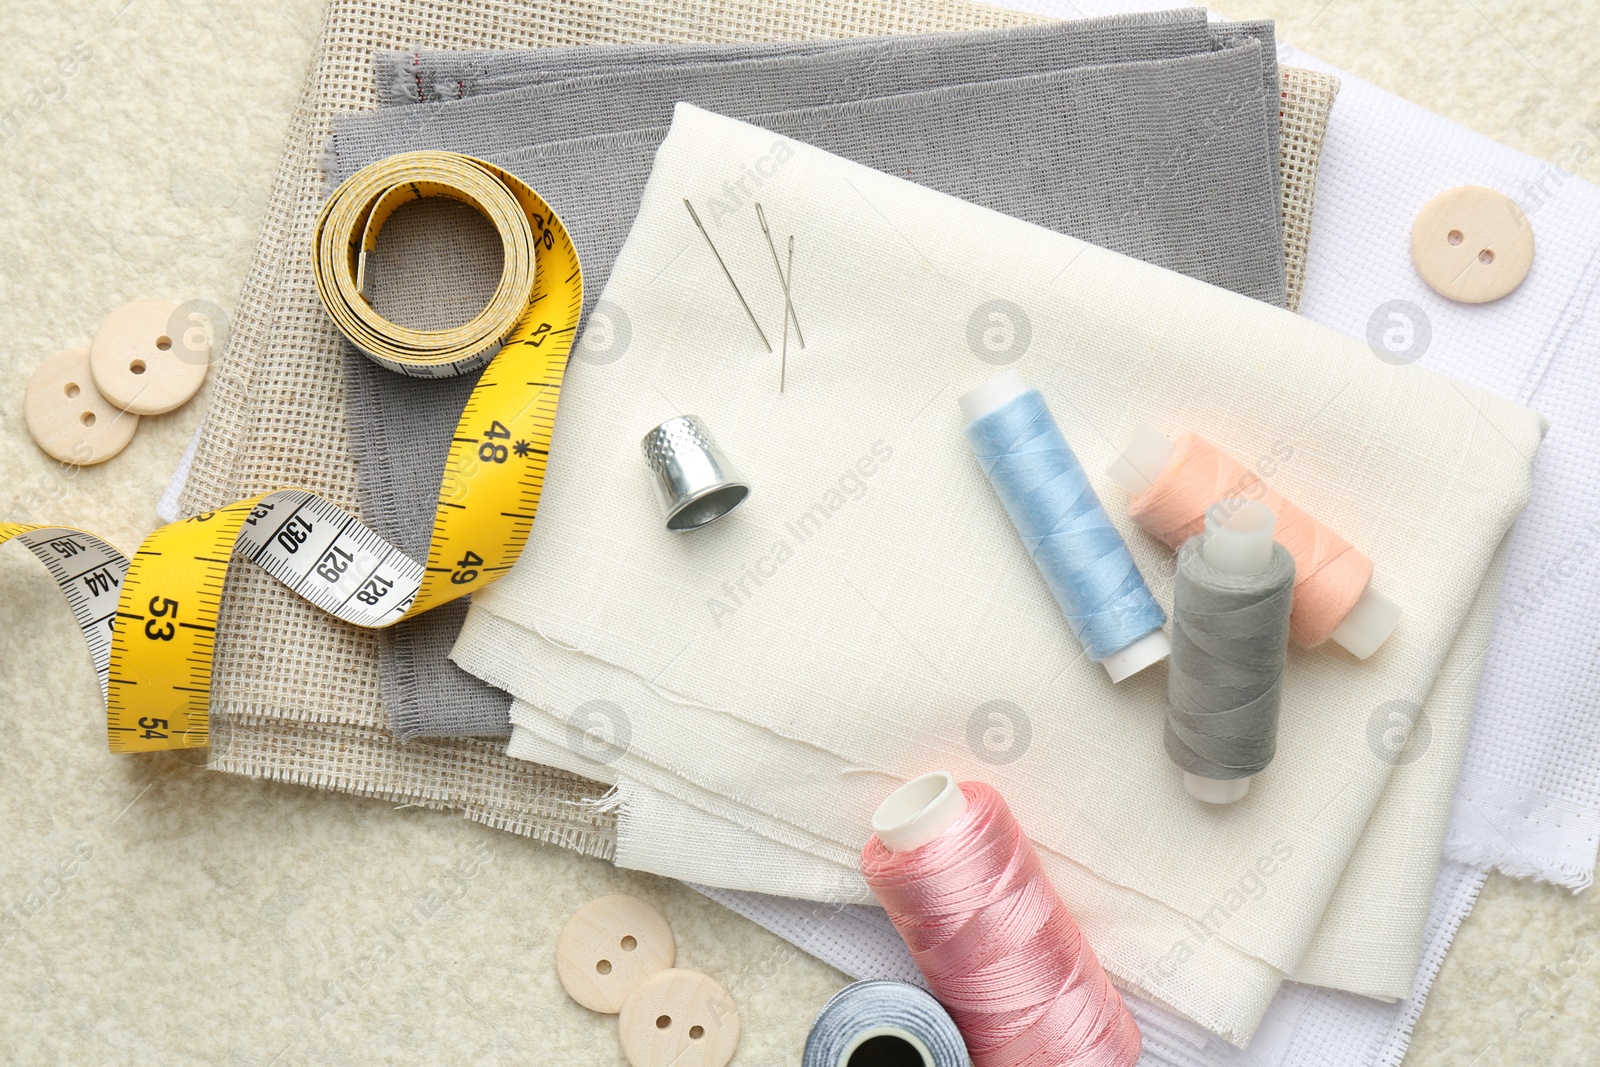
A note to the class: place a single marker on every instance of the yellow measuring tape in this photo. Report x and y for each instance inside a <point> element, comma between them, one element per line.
<point>150,622</point>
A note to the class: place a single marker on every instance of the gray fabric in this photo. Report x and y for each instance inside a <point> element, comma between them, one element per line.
<point>1230,640</point>
<point>1234,34</point>
<point>433,76</point>
<point>429,77</point>
<point>1169,160</point>
<point>619,99</point>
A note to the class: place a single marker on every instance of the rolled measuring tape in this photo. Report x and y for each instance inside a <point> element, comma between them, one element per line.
<point>150,622</point>
<point>883,1024</point>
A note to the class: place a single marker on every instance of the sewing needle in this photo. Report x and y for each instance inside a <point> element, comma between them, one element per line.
<point>788,310</point>
<point>759,331</point>
<point>790,313</point>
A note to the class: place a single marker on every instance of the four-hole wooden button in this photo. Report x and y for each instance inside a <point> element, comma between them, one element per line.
<point>1472,244</point>
<point>140,366</point>
<point>68,417</point>
<point>679,1018</point>
<point>609,948</point>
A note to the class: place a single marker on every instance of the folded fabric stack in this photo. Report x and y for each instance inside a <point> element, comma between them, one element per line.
<point>873,102</point>
<point>295,694</point>
<point>1132,195</point>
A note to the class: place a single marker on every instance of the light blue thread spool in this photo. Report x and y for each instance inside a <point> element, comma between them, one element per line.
<point>883,1024</point>
<point>1083,558</point>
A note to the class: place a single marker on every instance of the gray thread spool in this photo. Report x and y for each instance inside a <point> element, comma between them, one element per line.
<point>883,1024</point>
<point>1230,638</point>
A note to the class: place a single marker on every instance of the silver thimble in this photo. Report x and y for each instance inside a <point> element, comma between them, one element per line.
<point>694,481</point>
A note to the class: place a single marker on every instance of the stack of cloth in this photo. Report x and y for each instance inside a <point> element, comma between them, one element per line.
<point>1052,149</point>
<point>296,695</point>
<point>1357,907</point>
<point>299,697</point>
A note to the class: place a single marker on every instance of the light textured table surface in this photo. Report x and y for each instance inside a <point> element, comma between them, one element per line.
<point>152,912</point>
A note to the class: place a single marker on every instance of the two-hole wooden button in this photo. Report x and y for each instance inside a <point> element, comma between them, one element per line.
<point>68,417</point>
<point>146,359</point>
<point>679,1018</point>
<point>609,948</point>
<point>1472,244</point>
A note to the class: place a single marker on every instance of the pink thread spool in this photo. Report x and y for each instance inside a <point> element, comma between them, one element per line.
<point>1000,951</point>
<point>1175,482</point>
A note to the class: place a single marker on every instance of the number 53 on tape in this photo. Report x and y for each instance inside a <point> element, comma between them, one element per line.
<point>151,622</point>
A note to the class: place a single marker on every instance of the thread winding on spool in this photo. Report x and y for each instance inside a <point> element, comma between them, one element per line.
<point>1079,552</point>
<point>883,1024</point>
<point>964,887</point>
<point>1230,637</point>
<point>1174,482</point>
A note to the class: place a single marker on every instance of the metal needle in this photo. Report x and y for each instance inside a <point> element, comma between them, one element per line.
<point>728,273</point>
<point>788,310</point>
<point>789,313</point>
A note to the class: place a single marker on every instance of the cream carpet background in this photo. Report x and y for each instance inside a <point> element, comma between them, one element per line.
<point>153,912</point>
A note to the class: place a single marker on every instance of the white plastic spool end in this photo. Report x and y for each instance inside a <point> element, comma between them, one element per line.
<point>1147,456</point>
<point>992,395</point>
<point>1238,537</point>
<point>1368,625</point>
<point>1215,790</point>
<point>1238,540</point>
<point>1150,649</point>
<point>919,811</point>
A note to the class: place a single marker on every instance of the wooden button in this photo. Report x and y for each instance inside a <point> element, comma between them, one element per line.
<point>140,366</point>
<point>609,947</point>
<point>1472,244</point>
<point>679,1018</point>
<point>68,417</point>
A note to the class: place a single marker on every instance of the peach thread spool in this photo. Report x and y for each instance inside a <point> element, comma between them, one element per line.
<point>964,887</point>
<point>1174,482</point>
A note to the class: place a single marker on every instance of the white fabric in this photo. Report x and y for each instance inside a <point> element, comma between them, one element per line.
<point>1368,940</point>
<point>1527,802</point>
<point>860,660</point>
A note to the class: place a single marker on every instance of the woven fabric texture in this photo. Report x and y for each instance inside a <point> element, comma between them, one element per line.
<point>1305,100</point>
<point>1050,156</point>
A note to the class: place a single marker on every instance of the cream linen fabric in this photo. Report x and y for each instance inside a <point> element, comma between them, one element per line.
<point>1526,800</point>
<point>863,654</point>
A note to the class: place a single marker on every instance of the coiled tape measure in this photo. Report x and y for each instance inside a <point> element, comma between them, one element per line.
<point>150,622</point>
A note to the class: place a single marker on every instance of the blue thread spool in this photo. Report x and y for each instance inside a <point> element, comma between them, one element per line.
<point>1081,555</point>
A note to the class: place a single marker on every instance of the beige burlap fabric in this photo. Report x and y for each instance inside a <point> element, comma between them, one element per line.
<point>1302,120</point>
<point>295,694</point>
